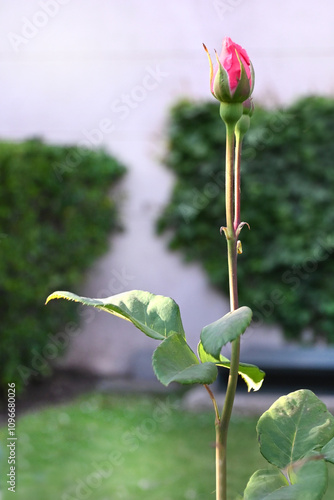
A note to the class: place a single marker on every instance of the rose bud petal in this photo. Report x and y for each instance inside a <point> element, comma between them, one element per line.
<point>232,80</point>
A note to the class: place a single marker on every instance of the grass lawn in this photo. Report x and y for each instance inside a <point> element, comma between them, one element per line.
<point>108,447</point>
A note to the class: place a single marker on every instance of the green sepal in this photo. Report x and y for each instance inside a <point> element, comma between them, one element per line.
<point>174,361</point>
<point>221,84</point>
<point>225,329</point>
<point>155,315</point>
<point>243,89</point>
<point>252,76</point>
<point>251,374</point>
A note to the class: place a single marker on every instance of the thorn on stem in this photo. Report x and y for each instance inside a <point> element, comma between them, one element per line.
<point>222,230</point>
<point>241,225</point>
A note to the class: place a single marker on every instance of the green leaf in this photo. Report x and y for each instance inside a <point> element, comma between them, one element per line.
<point>263,482</point>
<point>295,426</point>
<point>155,315</point>
<point>251,374</point>
<point>328,451</point>
<point>174,361</point>
<point>204,357</point>
<point>225,329</point>
<point>308,482</point>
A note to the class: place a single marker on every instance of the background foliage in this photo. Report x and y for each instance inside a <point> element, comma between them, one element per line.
<point>56,215</point>
<point>286,269</point>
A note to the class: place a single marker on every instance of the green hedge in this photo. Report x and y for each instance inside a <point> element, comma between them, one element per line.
<point>286,271</point>
<point>56,215</point>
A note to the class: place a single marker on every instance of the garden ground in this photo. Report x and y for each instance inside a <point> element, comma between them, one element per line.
<point>88,444</point>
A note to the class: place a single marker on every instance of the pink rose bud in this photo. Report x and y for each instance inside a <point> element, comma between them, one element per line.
<point>232,80</point>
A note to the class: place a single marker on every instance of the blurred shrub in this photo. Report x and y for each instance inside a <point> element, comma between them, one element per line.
<point>286,271</point>
<point>56,215</point>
